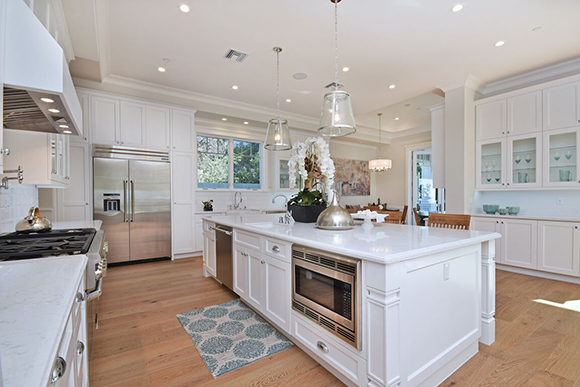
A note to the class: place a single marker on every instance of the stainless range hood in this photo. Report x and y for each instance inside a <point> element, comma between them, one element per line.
<point>39,94</point>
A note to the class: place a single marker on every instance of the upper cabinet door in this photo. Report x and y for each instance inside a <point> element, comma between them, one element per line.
<point>524,161</point>
<point>105,121</point>
<point>561,106</point>
<point>158,128</point>
<point>561,158</point>
<point>132,124</point>
<point>490,164</point>
<point>491,120</point>
<point>524,113</point>
<point>183,131</point>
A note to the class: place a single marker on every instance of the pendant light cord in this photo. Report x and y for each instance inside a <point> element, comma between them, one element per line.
<point>278,82</point>
<point>380,116</point>
<point>336,44</point>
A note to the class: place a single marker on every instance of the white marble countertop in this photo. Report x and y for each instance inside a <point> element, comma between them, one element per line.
<point>80,224</point>
<point>385,243</point>
<point>36,298</point>
<point>559,218</point>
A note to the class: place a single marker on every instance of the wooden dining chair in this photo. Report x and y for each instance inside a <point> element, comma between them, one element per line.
<point>451,221</point>
<point>417,218</point>
<point>395,217</point>
<point>404,217</point>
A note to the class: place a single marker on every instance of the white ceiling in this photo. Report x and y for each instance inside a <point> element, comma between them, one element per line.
<point>418,45</point>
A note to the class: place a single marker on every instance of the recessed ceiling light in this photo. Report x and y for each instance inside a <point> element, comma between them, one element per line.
<point>500,43</point>
<point>63,126</point>
<point>300,76</point>
<point>392,86</point>
<point>457,8</point>
<point>396,118</point>
<point>235,87</point>
<point>161,69</point>
<point>345,69</point>
<point>67,132</point>
<point>47,100</point>
<point>184,8</point>
<point>54,110</point>
<point>224,119</point>
<point>246,123</point>
<point>288,100</point>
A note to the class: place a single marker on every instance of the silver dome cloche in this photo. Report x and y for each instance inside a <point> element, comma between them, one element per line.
<point>334,217</point>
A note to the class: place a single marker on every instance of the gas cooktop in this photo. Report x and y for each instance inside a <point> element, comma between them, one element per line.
<point>16,246</point>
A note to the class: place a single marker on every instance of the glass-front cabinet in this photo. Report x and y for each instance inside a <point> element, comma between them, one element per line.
<point>561,157</point>
<point>284,177</point>
<point>490,164</point>
<point>524,161</point>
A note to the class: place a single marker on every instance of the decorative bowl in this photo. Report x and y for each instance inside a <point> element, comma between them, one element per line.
<point>490,208</point>
<point>502,211</point>
<point>513,210</point>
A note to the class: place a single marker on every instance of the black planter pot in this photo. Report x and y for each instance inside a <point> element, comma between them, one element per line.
<point>306,214</point>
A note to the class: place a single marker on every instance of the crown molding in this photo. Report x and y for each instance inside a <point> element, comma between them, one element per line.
<point>470,82</point>
<point>62,28</point>
<point>439,106</point>
<point>545,74</point>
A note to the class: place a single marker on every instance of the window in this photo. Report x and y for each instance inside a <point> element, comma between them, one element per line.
<point>212,162</point>
<point>228,163</point>
<point>285,177</point>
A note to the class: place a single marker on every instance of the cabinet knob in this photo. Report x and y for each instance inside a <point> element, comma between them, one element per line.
<point>80,347</point>
<point>58,370</point>
<point>79,297</point>
<point>323,347</point>
<point>86,204</point>
<point>508,183</point>
<point>276,249</point>
<point>122,142</point>
<point>262,262</point>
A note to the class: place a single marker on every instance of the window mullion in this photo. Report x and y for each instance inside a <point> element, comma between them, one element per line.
<point>231,162</point>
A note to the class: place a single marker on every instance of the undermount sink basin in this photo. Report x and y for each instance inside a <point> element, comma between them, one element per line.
<point>238,212</point>
<point>267,225</point>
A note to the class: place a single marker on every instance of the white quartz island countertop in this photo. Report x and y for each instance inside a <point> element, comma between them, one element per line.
<point>384,243</point>
<point>35,300</point>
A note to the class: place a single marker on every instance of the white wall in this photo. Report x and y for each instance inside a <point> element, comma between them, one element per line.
<point>15,203</point>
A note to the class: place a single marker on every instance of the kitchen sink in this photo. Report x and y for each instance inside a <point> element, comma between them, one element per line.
<point>267,225</point>
<point>243,212</point>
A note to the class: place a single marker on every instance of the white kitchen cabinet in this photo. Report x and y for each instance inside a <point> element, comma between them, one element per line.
<point>85,102</point>
<point>561,106</point>
<point>519,247</point>
<point>209,253</point>
<point>158,128</point>
<point>183,208</point>
<point>559,247</point>
<point>524,161</point>
<point>490,164</point>
<point>489,225</point>
<point>277,291</point>
<point>524,113</point>
<point>73,203</point>
<point>491,120</point>
<point>183,131</point>
<point>256,279</point>
<point>240,271</point>
<point>132,124</point>
<point>561,159</point>
<point>105,121</point>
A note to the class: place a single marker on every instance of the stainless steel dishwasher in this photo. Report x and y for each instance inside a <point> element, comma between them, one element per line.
<point>224,263</point>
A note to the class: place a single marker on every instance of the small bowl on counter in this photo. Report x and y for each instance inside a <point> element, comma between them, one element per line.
<point>490,209</point>
<point>502,211</point>
<point>513,210</point>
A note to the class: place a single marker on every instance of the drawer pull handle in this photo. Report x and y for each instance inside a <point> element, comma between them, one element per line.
<point>79,297</point>
<point>58,370</point>
<point>262,262</point>
<point>276,249</point>
<point>80,347</point>
<point>323,347</point>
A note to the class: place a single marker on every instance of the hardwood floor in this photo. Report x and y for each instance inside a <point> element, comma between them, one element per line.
<point>140,342</point>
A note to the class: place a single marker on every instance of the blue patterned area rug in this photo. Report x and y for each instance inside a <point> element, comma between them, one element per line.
<point>229,336</point>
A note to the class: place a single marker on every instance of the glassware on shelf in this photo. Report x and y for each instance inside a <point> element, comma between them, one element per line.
<point>487,166</point>
<point>493,164</point>
<point>565,175</point>
<point>528,158</point>
<point>557,156</point>
<point>523,177</point>
<point>518,159</point>
<point>497,178</point>
<point>568,155</point>
<point>488,178</point>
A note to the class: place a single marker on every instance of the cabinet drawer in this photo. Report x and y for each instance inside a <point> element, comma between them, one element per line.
<point>78,302</point>
<point>248,240</point>
<point>278,249</point>
<point>347,363</point>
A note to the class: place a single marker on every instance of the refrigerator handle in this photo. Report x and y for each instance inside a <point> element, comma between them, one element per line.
<point>132,201</point>
<point>125,201</point>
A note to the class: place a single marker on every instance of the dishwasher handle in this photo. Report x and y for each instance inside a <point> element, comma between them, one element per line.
<point>221,230</point>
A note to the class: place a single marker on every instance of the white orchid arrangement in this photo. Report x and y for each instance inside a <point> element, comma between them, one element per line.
<point>311,160</point>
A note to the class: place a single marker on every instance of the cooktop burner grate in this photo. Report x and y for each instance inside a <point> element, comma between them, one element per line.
<point>16,246</point>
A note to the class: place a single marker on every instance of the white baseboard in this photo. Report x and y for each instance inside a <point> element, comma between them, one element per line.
<point>536,273</point>
<point>188,255</point>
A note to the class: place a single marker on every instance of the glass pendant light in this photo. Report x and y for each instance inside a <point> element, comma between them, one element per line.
<point>337,118</point>
<point>380,165</point>
<point>278,135</point>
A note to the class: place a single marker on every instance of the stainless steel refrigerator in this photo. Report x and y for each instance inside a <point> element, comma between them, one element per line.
<point>132,196</point>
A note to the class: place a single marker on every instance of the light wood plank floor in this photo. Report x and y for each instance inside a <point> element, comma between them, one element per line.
<point>141,343</point>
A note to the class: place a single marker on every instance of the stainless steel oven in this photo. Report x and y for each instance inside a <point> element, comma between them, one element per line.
<point>326,288</point>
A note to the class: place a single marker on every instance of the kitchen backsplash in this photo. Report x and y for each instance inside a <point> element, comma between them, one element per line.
<point>14,205</point>
<point>540,203</point>
<point>251,200</point>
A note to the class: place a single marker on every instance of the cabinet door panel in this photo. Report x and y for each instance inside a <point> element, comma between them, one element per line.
<point>183,228</point>
<point>183,131</point>
<point>561,158</point>
<point>104,121</point>
<point>209,254</point>
<point>524,161</point>
<point>277,278</point>
<point>240,272</point>
<point>520,243</point>
<point>255,281</point>
<point>489,225</point>
<point>491,164</point>
<point>524,113</point>
<point>491,120</point>
<point>561,106</point>
<point>157,128</point>
<point>132,124</point>
<point>559,247</point>
<point>73,203</point>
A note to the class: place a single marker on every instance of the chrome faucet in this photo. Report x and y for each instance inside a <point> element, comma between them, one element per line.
<point>280,196</point>
<point>237,204</point>
<point>287,218</point>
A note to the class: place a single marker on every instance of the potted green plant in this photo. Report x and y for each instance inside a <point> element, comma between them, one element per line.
<point>311,161</point>
<point>208,205</point>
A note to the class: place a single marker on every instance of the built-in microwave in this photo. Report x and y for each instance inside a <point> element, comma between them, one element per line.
<point>327,290</point>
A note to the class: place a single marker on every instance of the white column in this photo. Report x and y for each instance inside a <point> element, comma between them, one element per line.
<point>438,144</point>
<point>487,293</point>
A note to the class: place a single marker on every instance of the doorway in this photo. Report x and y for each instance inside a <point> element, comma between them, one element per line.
<point>420,190</point>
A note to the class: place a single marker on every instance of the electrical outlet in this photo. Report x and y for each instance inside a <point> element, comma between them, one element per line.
<point>446,271</point>
<point>560,201</point>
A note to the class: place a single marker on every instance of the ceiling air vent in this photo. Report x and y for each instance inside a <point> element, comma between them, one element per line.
<point>334,85</point>
<point>235,55</point>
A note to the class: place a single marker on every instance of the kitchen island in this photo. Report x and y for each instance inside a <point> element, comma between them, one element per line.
<point>423,297</point>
